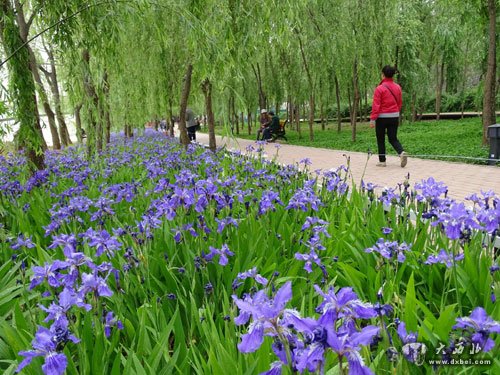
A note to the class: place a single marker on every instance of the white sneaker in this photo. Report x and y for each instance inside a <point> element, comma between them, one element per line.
<point>381,164</point>
<point>404,159</point>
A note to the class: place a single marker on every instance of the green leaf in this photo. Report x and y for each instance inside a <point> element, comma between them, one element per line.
<point>410,304</point>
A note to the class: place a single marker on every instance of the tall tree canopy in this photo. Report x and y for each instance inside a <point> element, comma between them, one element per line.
<point>123,63</point>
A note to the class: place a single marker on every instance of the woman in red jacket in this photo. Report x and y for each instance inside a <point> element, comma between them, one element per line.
<point>387,103</point>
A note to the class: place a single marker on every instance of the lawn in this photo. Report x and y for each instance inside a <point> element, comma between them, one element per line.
<point>457,140</point>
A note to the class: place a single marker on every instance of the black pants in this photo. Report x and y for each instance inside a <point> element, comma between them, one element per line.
<point>389,125</point>
<point>191,134</point>
<point>260,132</point>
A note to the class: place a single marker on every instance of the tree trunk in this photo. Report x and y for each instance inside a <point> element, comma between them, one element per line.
<point>29,136</point>
<point>107,112</point>
<point>311,117</point>
<point>229,117</point>
<point>439,88</point>
<point>54,86</point>
<point>311,86</point>
<point>489,115</point>
<point>206,87</point>
<point>78,123</point>
<point>171,121</point>
<point>337,95</point>
<point>242,120</point>
<point>262,94</point>
<point>24,31</point>
<point>349,101</point>
<point>249,114</point>
<point>92,126</point>
<point>356,97</point>
<point>464,75</point>
<point>128,132</point>
<point>322,115</point>
<point>235,117</point>
<point>297,120</point>
<point>183,105</point>
<point>288,109</point>
<point>366,111</point>
<point>414,107</point>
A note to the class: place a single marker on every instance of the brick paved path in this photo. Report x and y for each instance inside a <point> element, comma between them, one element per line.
<point>461,179</point>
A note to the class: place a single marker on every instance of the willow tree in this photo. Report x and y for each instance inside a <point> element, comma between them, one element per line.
<point>29,137</point>
<point>412,38</point>
<point>53,82</point>
<point>489,114</point>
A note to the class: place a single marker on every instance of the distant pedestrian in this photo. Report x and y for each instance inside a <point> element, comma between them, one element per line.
<point>191,124</point>
<point>386,108</point>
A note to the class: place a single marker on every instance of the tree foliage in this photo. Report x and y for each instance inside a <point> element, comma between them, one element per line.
<point>319,56</point>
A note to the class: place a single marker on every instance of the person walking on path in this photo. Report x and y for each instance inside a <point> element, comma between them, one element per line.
<point>387,103</point>
<point>191,124</point>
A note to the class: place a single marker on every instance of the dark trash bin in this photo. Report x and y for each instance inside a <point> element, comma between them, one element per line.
<point>494,136</point>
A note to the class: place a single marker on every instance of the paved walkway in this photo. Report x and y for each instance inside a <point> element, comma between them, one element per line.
<point>461,179</point>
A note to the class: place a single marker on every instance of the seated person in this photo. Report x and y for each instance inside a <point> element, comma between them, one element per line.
<point>265,120</point>
<point>274,127</point>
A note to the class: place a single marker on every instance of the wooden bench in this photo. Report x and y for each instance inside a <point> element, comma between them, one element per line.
<point>281,133</point>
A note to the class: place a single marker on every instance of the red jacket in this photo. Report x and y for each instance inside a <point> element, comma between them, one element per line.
<point>384,101</point>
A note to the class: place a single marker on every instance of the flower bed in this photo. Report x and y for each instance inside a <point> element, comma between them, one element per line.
<point>155,259</point>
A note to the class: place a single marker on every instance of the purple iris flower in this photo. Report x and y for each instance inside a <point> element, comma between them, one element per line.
<point>334,182</point>
<point>223,253</point>
<point>455,220</point>
<point>274,370</point>
<point>431,190</point>
<point>57,311</point>
<point>265,313</point>
<point>412,350</point>
<point>344,303</point>
<point>223,223</point>
<point>185,196</point>
<point>50,272</point>
<point>444,258</point>
<point>305,161</point>
<point>45,344</point>
<point>312,221</point>
<point>111,321</point>
<point>345,341</point>
<point>406,337</point>
<point>67,241</point>
<point>386,230</point>
<point>189,228</point>
<point>389,196</point>
<point>103,206</point>
<point>268,200</point>
<point>252,273</point>
<point>304,200</point>
<point>80,203</point>
<point>314,243</point>
<point>390,249</point>
<point>22,241</point>
<point>480,325</point>
<point>103,242</point>
<point>489,218</point>
<point>96,284</point>
<point>201,204</point>
<point>310,258</point>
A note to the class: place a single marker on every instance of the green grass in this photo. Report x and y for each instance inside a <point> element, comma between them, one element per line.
<point>439,140</point>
